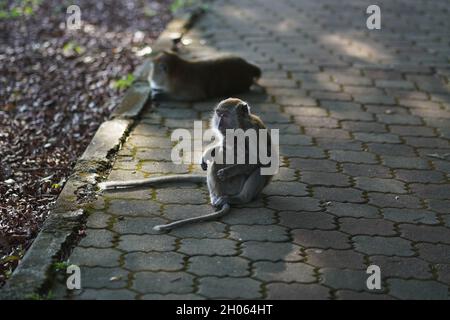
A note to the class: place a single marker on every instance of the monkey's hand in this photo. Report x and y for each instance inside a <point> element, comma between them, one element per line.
<point>204,165</point>
<point>223,174</point>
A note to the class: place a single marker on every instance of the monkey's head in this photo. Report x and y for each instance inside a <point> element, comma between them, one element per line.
<point>162,69</point>
<point>230,114</point>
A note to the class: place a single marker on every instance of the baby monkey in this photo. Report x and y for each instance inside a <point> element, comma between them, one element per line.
<point>228,184</point>
<point>175,78</point>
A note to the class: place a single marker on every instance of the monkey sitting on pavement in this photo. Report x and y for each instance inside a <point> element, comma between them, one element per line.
<point>228,184</point>
<point>175,78</point>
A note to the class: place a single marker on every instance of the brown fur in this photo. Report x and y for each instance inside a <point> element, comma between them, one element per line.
<point>194,80</point>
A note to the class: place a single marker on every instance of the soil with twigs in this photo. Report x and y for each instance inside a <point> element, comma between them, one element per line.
<point>56,87</point>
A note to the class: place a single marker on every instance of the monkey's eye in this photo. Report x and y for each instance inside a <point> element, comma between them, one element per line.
<point>163,67</point>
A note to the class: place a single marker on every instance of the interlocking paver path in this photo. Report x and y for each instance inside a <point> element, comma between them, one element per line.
<point>365,125</point>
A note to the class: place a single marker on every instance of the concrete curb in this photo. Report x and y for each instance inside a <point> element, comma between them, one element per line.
<point>59,233</point>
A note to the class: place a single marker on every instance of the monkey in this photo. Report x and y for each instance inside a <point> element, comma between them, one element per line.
<point>228,184</point>
<point>172,77</point>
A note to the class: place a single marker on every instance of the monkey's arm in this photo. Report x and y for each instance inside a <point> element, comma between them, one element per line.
<point>111,185</point>
<point>237,170</point>
<point>210,151</point>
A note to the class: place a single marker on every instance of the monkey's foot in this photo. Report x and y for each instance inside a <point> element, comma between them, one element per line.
<point>220,202</point>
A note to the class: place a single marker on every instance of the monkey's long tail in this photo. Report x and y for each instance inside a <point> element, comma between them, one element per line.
<point>211,216</point>
<point>112,185</point>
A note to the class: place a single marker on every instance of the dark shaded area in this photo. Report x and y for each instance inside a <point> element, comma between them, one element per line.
<point>55,89</point>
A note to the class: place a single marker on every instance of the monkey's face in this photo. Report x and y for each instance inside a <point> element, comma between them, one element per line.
<point>229,115</point>
<point>159,74</point>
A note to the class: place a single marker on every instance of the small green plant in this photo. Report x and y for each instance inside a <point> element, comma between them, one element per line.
<point>149,12</point>
<point>19,8</point>
<point>38,296</point>
<point>124,82</point>
<point>60,266</point>
<point>176,5</point>
<point>72,49</point>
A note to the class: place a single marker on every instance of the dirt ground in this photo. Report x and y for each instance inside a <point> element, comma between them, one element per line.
<point>56,87</point>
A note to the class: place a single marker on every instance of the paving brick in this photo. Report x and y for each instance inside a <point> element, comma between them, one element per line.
<point>213,230</point>
<point>306,220</point>
<point>293,203</point>
<point>417,290</point>
<point>181,195</point>
<point>98,220</point>
<point>302,152</point>
<point>219,266</point>
<point>377,137</point>
<point>412,131</point>
<point>229,288</point>
<point>296,291</point>
<point>443,272</point>
<point>380,185</point>
<point>388,200</point>
<point>353,210</point>
<point>353,156</point>
<point>139,225</point>
<point>435,253</point>
<point>97,238</point>
<point>272,251</point>
<point>352,295</point>
<point>208,247</point>
<point>320,239</point>
<point>258,233</point>
<point>358,226</point>
<point>401,267</point>
<point>283,272</point>
<point>359,126</point>
<point>165,261</point>
<point>325,179</point>
<point>146,243</point>
<point>313,165</point>
<point>286,189</point>
<point>285,174</point>
<point>112,278</point>
<point>104,294</point>
<point>331,258</point>
<point>410,215</point>
<point>92,257</point>
<point>425,176</point>
<point>419,233</point>
<point>133,207</point>
<point>383,245</point>
<point>163,282</point>
<point>365,170</point>
<point>433,191</point>
<point>344,279</point>
<point>338,194</point>
<point>390,149</point>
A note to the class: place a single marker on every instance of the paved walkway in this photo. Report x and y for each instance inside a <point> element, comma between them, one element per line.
<point>365,125</point>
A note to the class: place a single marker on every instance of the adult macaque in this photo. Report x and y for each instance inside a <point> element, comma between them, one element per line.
<point>228,184</point>
<point>175,78</point>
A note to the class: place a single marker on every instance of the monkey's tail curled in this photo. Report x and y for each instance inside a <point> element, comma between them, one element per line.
<point>112,185</point>
<point>211,216</point>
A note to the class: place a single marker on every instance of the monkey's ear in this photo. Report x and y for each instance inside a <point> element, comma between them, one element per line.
<point>243,108</point>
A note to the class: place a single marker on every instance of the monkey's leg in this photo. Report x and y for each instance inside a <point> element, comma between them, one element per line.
<point>252,187</point>
<point>111,185</point>
<point>211,216</point>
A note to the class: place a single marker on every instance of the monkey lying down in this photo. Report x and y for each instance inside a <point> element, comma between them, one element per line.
<point>228,184</point>
<point>175,78</point>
